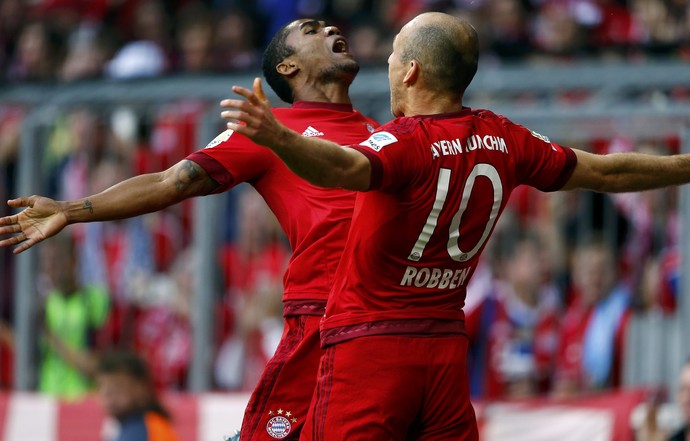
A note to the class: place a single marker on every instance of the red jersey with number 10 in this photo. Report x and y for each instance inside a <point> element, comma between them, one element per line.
<point>315,220</point>
<point>438,185</point>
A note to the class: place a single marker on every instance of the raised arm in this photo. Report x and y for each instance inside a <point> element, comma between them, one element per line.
<point>135,196</point>
<point>320,162</point>
<point>626,172</point>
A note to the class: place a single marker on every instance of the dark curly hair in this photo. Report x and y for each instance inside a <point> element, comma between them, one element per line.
<point>276,51</point>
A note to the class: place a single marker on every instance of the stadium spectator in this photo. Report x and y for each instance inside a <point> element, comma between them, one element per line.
<point>75,147</point>
<point>653,427</point>
<point>593,327</point>
<point>12,20</point>
<point>508,30</point>
<point>117,253</point>
<point>384,297</point>
<point>148,51</point>
<point>556,33</point>
<point>38,55</point>
<point>659,29</point>
<point>366,42</point>
<point>513,333</point>
<point>72,314</point>
<point>162,332</point>
<point>234,45</point>
<point>127,392</point>
<point>615,27</point>
<point>89,50</point>
<point>658,287</point>
<point>155,316</point>
<point>651,216</point>
<point>253,266</point>
<point>152,22</point>
<point>195,40</point>
<point>137,59</point>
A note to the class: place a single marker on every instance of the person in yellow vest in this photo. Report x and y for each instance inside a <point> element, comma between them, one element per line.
<point>72,313</point>
<point>126,390</point>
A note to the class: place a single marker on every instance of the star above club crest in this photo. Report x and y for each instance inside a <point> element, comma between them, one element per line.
<point>270,412</point>
<point>294,420</point>
<point>288,414</point>
<point>280,411</point>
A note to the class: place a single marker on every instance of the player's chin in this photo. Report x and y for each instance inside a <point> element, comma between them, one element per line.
<point>396,110</point>
<point>349,65</point>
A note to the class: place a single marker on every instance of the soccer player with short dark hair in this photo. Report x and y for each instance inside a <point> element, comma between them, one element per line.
<point>309,65</point>
<point>434,182</point>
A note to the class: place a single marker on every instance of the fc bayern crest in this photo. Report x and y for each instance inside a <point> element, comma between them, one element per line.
<point>278,427</point>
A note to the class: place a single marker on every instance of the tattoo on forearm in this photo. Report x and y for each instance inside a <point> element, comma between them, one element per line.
<point>186,174</point>
<point>189,173</point>
<point>88,206</point>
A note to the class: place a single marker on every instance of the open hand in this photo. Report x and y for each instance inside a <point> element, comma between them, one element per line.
<point>42,219</point>
<point>253,117</point>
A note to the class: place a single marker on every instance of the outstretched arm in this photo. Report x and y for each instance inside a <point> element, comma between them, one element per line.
<point>141,194</point>
<point>626,172</point>
<point>320,162</point>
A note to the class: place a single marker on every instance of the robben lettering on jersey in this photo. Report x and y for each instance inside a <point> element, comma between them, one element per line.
<point>435,278</point>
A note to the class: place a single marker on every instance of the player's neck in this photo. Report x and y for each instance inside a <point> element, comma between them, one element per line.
<point>429,103</point>
<point>323,93</point>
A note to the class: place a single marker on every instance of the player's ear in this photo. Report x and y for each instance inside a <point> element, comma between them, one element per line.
<point>287,67</point>
<point>413,71</point>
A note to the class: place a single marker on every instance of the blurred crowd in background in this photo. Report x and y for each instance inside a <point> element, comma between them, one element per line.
<point>547,308</point>
<point>68,40</point>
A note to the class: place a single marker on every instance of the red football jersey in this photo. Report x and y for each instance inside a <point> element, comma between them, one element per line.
<point>576,321</point>
<point>315,220</point>
<point>441,182</point>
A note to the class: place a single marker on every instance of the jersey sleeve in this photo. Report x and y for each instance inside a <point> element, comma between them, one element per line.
<point>231,158</point>
<point>395,160</point>
<point>543,164</point>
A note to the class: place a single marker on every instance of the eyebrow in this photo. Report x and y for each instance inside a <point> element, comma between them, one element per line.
<point>309,23</point>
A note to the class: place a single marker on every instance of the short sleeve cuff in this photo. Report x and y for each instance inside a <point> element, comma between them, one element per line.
<point>214,169</point>
<point>376,166</point>
<point>566,173</point>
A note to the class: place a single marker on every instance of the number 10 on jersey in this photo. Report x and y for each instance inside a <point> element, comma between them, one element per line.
<point>442,189</point>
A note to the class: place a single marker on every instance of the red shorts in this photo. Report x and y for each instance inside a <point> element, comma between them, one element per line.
<point>278,406</point>
<point>393,387</point>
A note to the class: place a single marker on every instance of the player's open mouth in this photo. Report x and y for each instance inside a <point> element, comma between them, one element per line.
<point>340,46</point>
